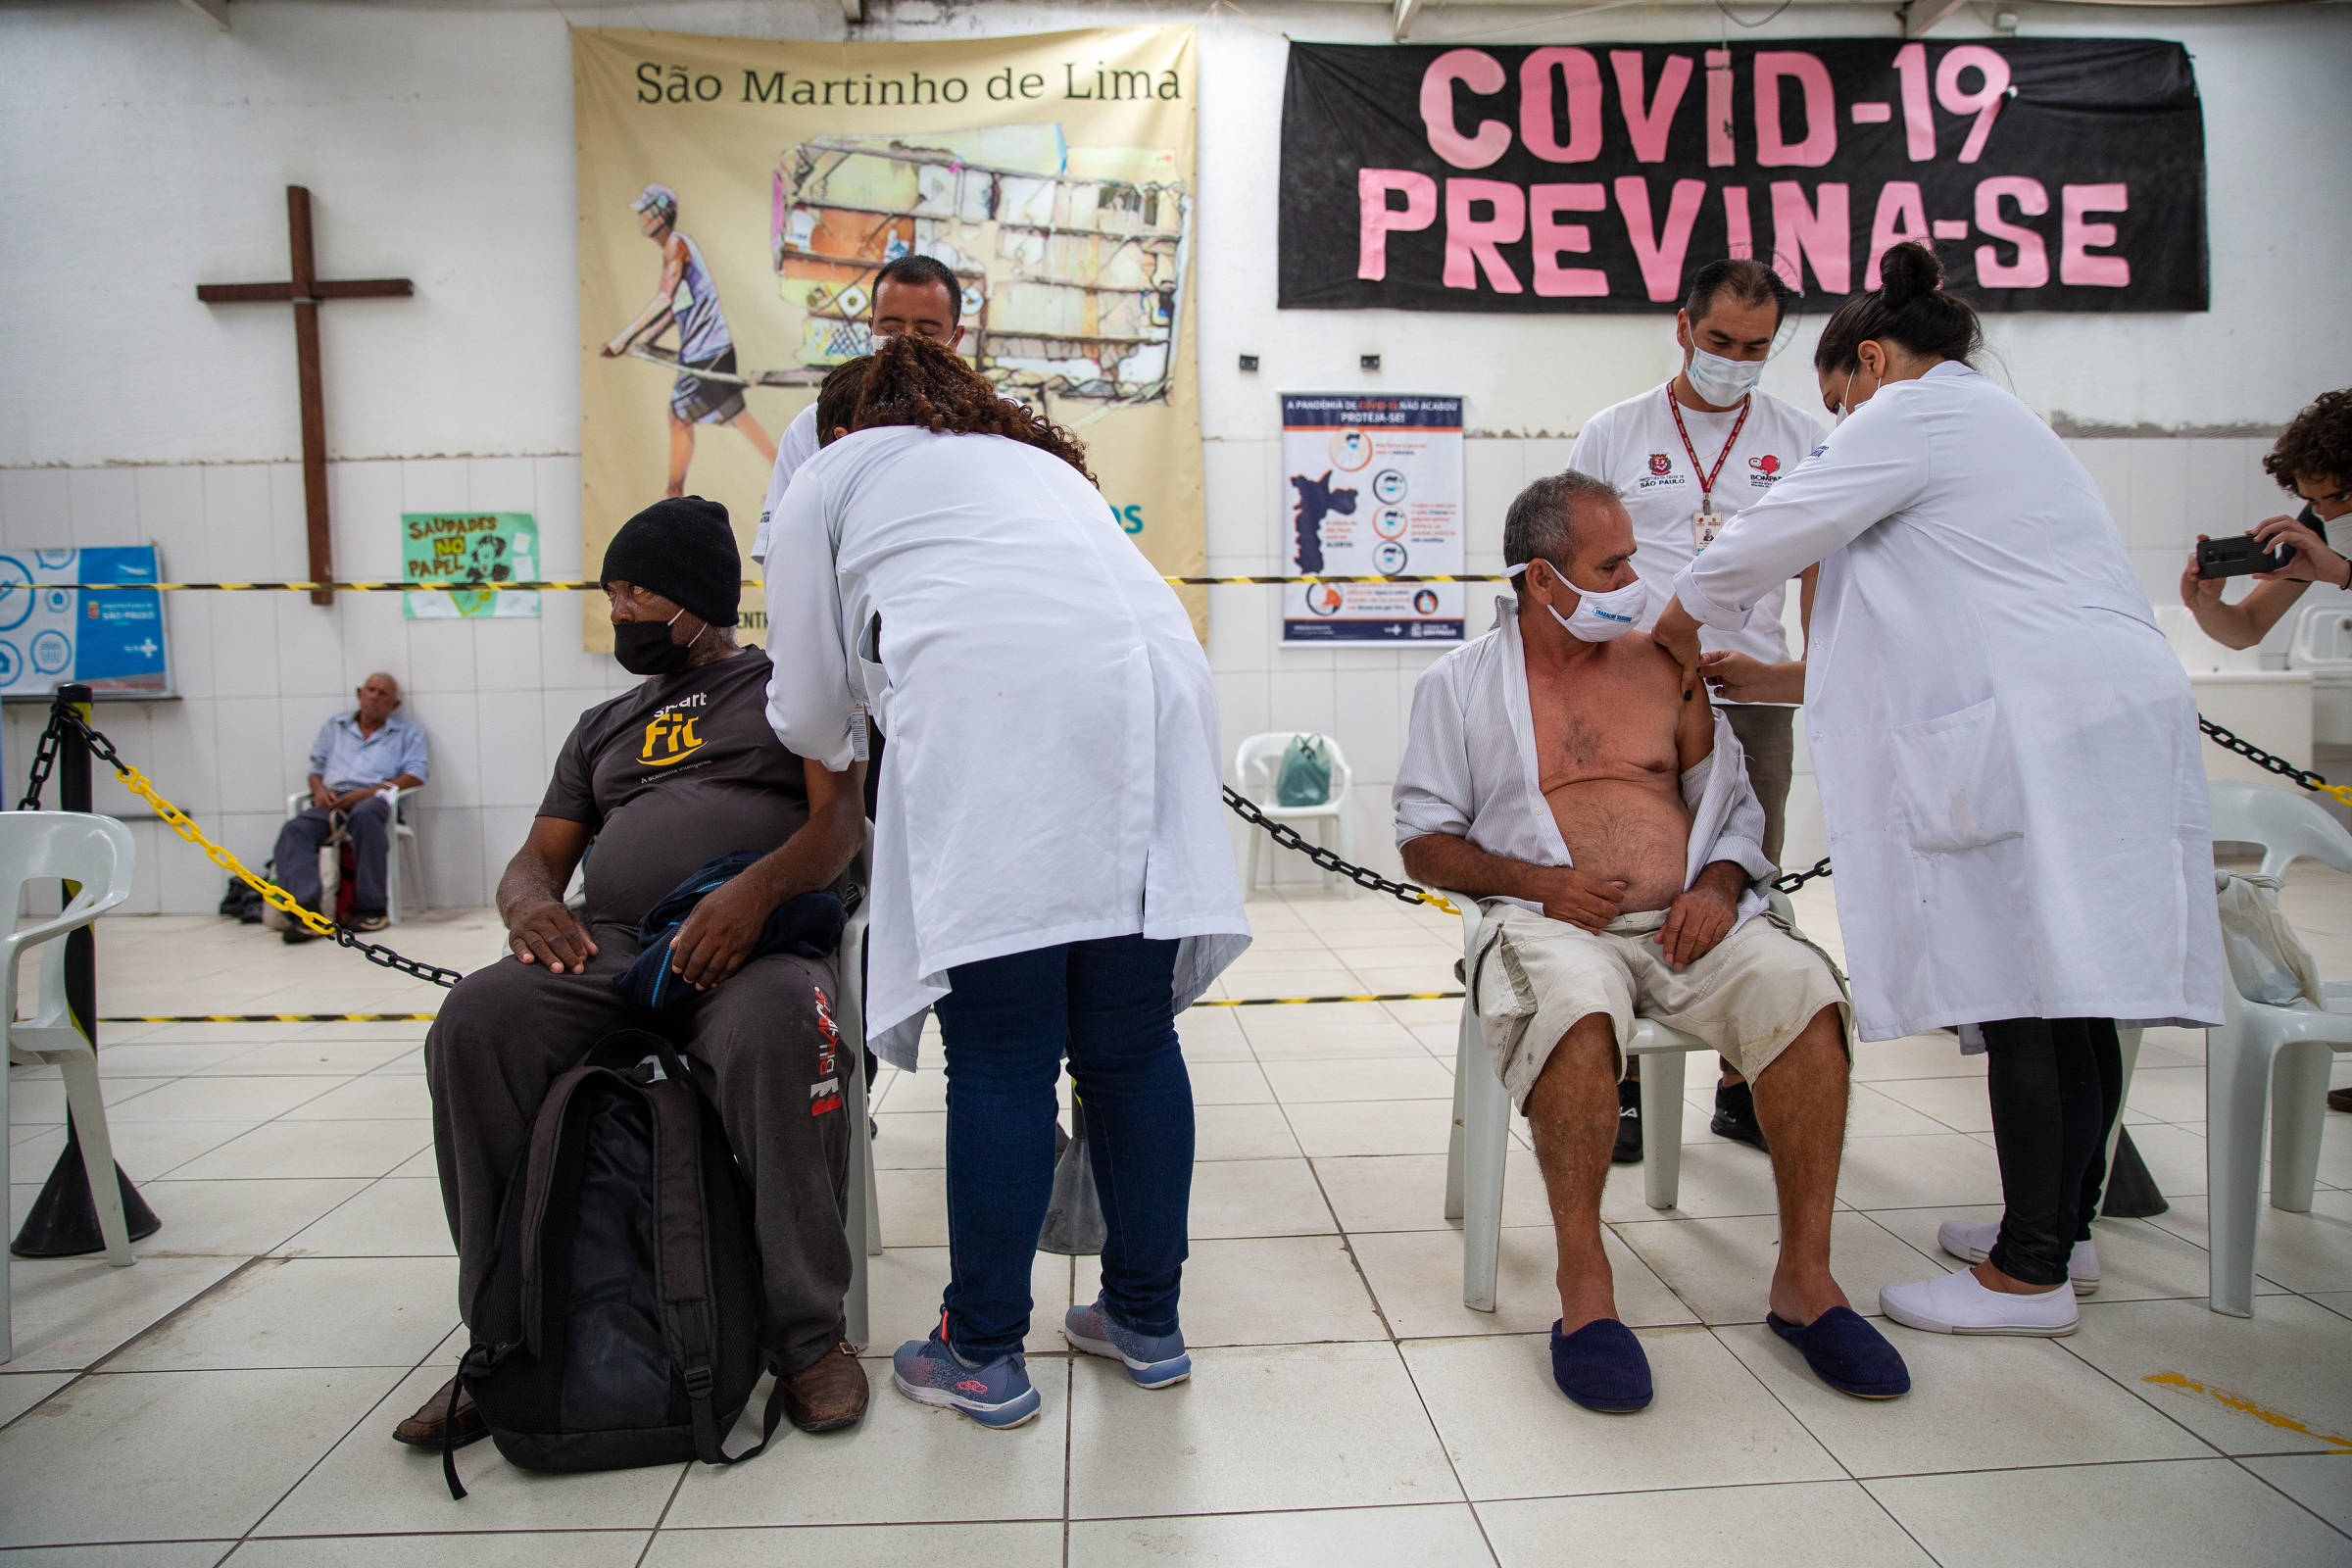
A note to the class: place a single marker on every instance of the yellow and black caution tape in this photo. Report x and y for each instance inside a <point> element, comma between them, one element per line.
<point>1302,1001</point>
<point>267,1017</point>
<point>427,1018</point>
<point>569,585</point>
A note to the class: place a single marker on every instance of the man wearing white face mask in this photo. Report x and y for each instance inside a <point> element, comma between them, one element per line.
<point>1689,457</point>
<point>1562,771</point>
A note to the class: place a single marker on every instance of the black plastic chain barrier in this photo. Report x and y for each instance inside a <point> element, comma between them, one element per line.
<point>2264,760</point>
<point>63,718</point>
<point>1290,837</point>
<point>44,759</point>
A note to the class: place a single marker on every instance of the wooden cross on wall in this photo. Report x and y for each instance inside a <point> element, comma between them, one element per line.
<point>304,290</point>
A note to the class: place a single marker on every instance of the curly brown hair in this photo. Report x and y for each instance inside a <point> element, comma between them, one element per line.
<point>2317,444</point>
<point>911,380</point>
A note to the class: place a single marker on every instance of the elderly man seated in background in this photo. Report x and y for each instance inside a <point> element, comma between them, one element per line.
<point>1561,770</point>
<point>357,756</point>
<point>678,782</point>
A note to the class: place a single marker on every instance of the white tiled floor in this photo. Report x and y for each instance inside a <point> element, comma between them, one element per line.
<point>230,1397</point>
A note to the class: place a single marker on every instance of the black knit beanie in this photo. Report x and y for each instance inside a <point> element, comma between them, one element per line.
<point>682,549</point>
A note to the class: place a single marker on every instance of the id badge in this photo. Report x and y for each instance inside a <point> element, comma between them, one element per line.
<point>1704,526</point>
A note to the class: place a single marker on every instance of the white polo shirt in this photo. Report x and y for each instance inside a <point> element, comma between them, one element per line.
<point>1635,446</point>
<point>796,446</point>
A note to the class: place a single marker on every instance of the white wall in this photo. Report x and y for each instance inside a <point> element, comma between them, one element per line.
<point>437,144</point>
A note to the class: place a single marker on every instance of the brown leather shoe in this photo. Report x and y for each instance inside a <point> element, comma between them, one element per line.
<point>827,1393</point>
<point>2339,1099</point>
<point>423,1428</point>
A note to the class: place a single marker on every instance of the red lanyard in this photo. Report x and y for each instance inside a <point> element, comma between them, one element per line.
<point>1706,486</point>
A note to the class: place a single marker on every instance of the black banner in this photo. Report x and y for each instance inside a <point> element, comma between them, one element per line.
<point>2053,174</point>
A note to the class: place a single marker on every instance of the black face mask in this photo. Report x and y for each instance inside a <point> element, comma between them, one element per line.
<point>643,648</point>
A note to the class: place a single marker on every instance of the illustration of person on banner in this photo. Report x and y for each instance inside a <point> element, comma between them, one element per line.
<point>686,297</point>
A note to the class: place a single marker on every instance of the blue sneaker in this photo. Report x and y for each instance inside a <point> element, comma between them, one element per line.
<point>1154,1360</point>
<point>995,1393</point>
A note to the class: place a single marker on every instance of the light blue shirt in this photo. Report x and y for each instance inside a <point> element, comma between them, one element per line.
<point>348,760</point>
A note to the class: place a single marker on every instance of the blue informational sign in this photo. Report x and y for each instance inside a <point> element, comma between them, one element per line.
<point>111,640</point>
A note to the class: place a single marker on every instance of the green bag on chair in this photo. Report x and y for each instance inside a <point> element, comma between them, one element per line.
<point>1304,776</point>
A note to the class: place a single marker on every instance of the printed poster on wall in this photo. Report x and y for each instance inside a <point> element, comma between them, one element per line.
<point>2050,174</point>
<point>737,197</point>
<point>484,547</point>
<point>111,640</point>
<point>1374,487</point>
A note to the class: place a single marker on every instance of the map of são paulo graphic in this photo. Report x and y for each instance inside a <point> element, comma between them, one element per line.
<point>1317,499</point>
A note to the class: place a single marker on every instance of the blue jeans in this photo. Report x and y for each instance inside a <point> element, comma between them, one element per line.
<point>1005,1026</point>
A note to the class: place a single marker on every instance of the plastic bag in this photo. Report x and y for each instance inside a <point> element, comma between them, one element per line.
<point>1304,777</point>
<point>2266,962</point>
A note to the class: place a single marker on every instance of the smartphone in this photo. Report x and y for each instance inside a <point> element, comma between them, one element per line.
<point>2237,556</point>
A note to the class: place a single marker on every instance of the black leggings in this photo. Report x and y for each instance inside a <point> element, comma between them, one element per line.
<point>2056,1085</point>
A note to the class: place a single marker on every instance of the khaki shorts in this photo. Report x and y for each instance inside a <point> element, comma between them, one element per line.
<point>1747,998</point>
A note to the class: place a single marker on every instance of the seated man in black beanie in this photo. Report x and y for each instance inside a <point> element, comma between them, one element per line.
<point>677,773</point>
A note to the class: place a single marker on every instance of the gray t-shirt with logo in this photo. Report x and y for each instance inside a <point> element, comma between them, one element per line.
<point>671,775</point>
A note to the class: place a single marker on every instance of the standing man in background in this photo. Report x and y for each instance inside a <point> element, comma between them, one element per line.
<point>1688,456</point>
<point>914,296</point>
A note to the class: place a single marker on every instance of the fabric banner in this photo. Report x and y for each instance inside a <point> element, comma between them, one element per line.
<point>484,547</point>
<point>2052,173</point>
<point>737,197</point>
<point>1373,485</point>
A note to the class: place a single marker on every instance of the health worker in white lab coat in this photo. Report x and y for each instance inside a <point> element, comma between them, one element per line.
<point>1050,868</point>
<point>2008,759</point>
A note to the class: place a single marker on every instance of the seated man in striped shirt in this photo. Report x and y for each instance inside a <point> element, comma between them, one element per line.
<point>355,760</point>
<point>1562,771</point>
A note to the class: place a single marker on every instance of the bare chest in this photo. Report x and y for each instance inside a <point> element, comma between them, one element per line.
<point>1611,722</point>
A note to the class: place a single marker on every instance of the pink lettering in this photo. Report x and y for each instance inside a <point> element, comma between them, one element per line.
<point>1376,218</point>
<point>1815,234</point>
<point>1739,239</point>
<point>1720,154</point>
<point>1580,80</point>
<point>1648,127</point>
<point>1552,238</point>
<point>1482,73</point>
<point>1919,116</point>
<point>1821,109</point>
<point>1470,242</point>
<point>2075,237</point>
<point>2031,269</point>
<point>1660,253</point>
<point>1992,86</point>
<point>1902,215</point>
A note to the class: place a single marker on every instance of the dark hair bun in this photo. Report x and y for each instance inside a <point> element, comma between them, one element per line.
<point>1908,272</point>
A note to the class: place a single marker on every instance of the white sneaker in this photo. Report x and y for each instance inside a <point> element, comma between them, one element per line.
<point>1970,1242</point>
<point>1958,1304</point>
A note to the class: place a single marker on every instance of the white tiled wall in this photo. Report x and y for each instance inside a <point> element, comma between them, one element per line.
<point>258,673</point>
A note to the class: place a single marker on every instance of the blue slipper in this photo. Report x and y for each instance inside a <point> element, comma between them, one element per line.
<point>1602,1368</point>
<point>1847,1353</point>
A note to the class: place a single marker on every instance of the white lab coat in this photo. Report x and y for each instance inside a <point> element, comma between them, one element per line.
<point>2007,750</point>
<point>1051,770</point>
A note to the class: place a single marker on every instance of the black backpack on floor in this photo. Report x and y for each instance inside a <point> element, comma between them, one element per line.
<point>617,1321</point>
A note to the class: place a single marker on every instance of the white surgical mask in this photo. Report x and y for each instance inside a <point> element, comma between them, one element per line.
<point>1600,615</point>
<point>1721,381</point>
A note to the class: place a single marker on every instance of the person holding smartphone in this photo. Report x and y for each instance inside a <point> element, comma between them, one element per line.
<point>2312,460</point>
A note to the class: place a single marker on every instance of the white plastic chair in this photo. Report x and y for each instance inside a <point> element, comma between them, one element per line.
<point>1481,1121</point>
<point>94,852</point>
<point>404,838</point>
<point>1255,767</point>
<point>2285,1049</point>
<point>862,1220</point>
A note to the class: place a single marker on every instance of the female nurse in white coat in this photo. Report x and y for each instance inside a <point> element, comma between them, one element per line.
<point>2008,759</point>
<point>1050,868</point>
